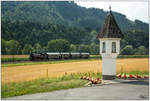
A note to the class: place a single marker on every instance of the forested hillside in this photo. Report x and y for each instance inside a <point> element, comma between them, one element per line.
<point>32,25</point>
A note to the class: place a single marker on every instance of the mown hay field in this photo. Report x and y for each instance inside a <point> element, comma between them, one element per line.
<point>30,72</point>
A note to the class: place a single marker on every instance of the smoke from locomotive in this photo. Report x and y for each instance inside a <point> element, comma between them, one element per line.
<point>56,56</point>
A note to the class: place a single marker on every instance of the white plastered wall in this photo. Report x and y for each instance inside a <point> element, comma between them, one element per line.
<point>109,58</point>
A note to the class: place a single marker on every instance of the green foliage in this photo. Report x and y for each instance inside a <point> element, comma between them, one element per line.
<point>42,85</point>
<point>37,47</point>
<point>93,37</point>
<point>141,50</point>
<point>27,49</point>
<point>17,89</point>
<point>73,48</point>
<point>58,45</point>
<point>94,49</point>
<point>65,13</point>
<point>136,38</point>
<point>83,48</point>
<point>13,47</point>
<point>33,33</point>
<point>3,46</point>
<point>128,50</point>
<point>36,23</point>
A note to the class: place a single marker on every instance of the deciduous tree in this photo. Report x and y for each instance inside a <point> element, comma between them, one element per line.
<point>58,45</point>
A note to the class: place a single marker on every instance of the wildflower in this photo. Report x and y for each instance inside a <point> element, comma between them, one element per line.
<point>98,79</point>
<point>119,76</point>
<point>89,79</point>
<point>131,76</point>
<point>125,76</point>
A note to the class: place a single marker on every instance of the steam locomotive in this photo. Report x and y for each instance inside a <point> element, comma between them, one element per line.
<point>57,56</point>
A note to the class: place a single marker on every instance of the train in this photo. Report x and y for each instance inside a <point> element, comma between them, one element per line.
<point>57,56</point>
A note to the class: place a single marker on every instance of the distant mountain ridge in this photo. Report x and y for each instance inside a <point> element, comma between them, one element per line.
<point>65,13</point>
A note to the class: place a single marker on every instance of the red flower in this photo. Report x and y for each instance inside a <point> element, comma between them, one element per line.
<point>131,76</point>
<point>98,79</point>
<point>119,76</point>
<point>92,81</point>
<point>125,76</point>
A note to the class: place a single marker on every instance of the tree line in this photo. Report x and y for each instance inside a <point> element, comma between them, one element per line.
<point>62,45</point>
<point>58,45</point>
<point>27,37</point>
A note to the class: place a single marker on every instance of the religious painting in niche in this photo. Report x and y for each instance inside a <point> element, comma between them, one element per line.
<point>104,47</point>
<point>113,47</point>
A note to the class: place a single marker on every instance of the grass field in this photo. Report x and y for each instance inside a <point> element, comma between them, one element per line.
<point>42,85</point>
<point>31,72</point>
<point>18,58</point>
<point>43,62</point>
<point>50,84</point>
<point>46,77</point>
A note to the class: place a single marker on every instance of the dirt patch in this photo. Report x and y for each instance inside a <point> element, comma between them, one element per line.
<point>25,73</point>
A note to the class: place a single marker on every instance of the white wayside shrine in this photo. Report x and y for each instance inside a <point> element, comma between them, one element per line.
<point>109,36</point>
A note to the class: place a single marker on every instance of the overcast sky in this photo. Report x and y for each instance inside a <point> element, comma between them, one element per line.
<point>132,10</point>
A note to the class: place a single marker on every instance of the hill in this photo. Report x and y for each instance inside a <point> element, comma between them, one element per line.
<point>33,24</point>
<point>66,13</point>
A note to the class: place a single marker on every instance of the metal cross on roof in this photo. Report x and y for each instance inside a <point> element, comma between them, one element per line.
<point>110,8</point>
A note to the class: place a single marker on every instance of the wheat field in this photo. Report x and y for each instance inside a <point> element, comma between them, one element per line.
<point>26,73</point>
